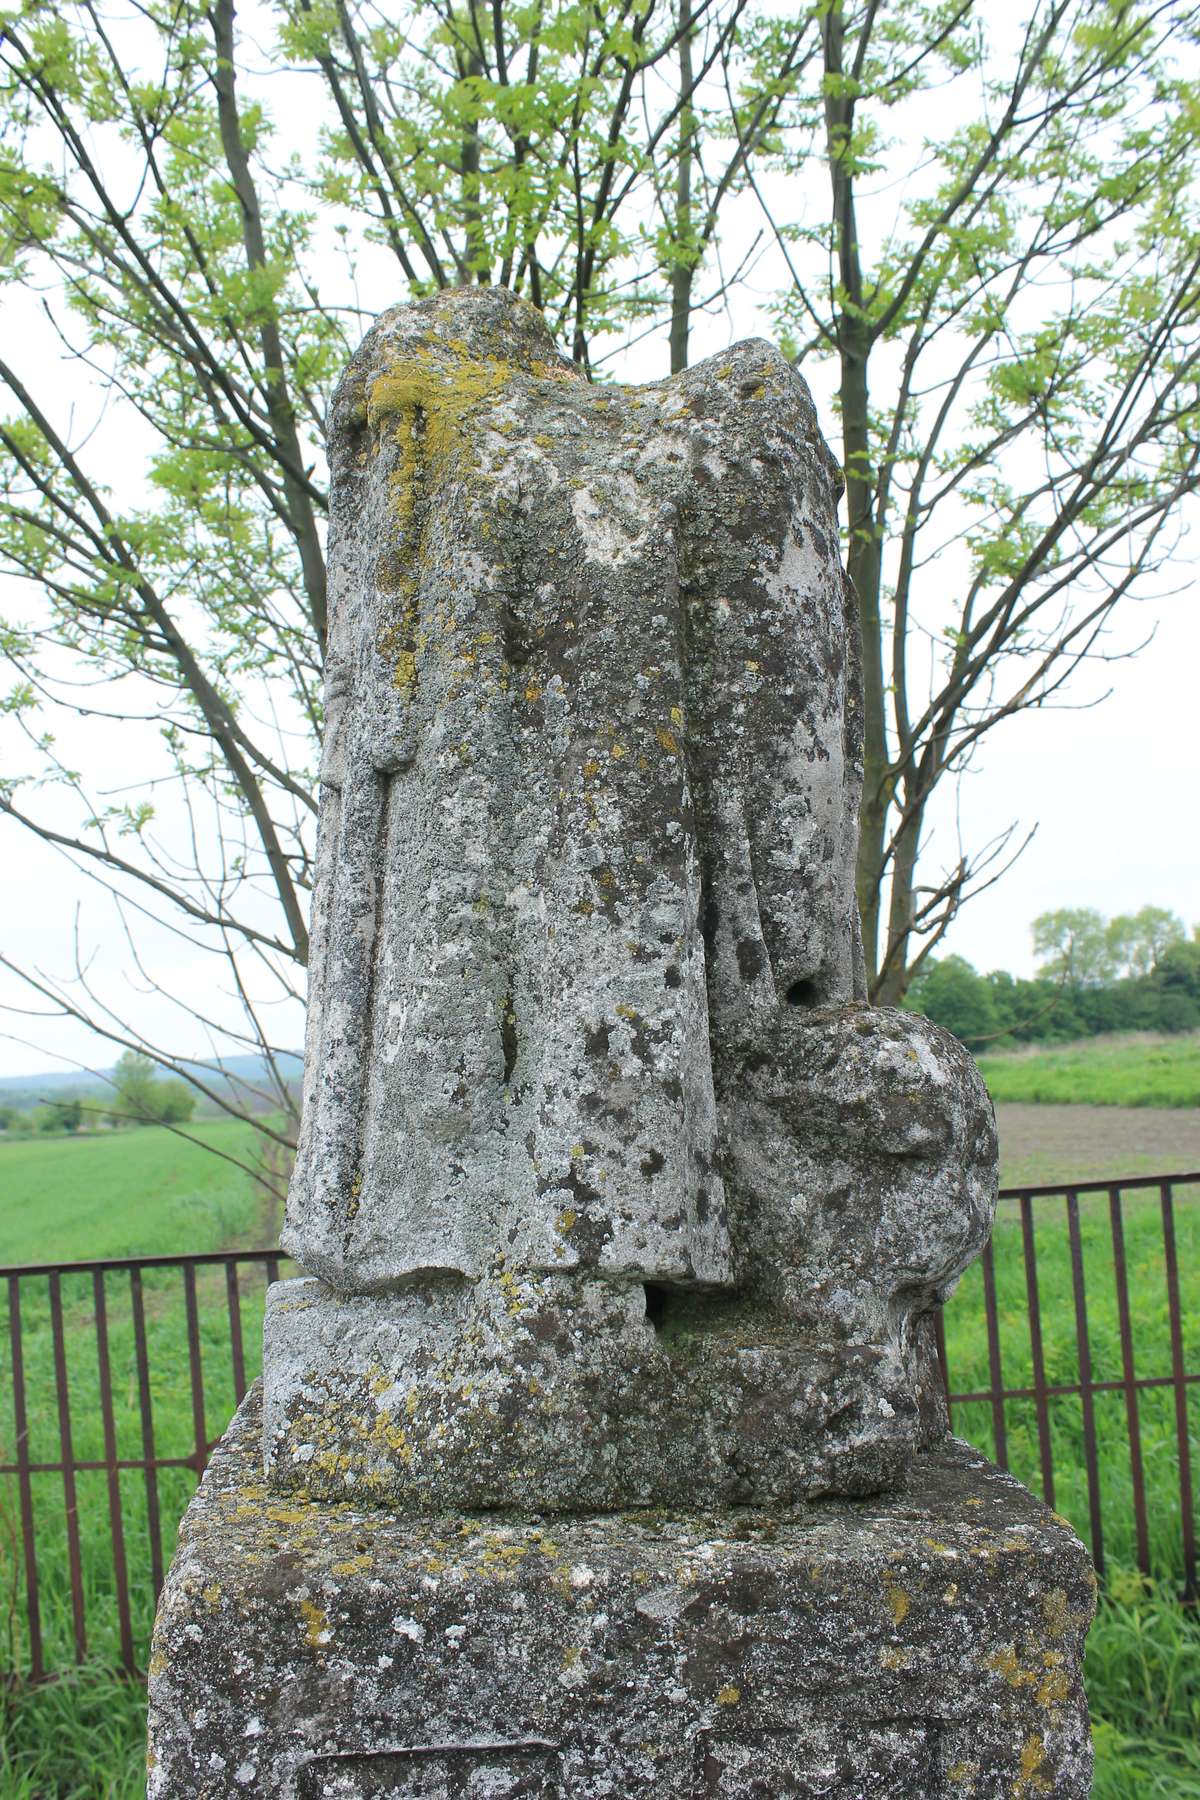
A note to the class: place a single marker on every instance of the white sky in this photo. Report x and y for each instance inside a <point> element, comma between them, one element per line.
<point>1110,790</point>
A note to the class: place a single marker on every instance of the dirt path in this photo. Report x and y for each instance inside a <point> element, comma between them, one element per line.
<point>1041,1144</point>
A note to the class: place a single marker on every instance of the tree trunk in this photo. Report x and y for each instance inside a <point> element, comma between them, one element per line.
<point>891,984</point>
<point>475,247</point>
<point>683,271</point>
<point>862,557</point>
<point>301,516</point>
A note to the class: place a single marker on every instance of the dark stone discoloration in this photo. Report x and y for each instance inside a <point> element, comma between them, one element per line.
<point>926,1643</point>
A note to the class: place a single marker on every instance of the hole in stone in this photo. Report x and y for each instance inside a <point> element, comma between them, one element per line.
<point>508,1038</point>
<point>802,993</point>
<point>656,1304</point>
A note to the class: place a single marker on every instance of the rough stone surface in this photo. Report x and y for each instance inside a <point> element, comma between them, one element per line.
<point>592,1104</point>
<point>922,1644</point>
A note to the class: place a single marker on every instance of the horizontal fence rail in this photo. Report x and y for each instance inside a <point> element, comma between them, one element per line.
<point>124,1371</point>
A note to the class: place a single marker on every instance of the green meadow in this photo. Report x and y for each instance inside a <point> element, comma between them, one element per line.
<point>1130,1069</point>
<point>148,1192</point>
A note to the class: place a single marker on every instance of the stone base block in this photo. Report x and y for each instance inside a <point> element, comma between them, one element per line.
<point>923,1643</point>
<point>559,1393</point>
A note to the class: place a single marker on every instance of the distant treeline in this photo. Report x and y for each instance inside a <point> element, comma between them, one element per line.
<point>138,1097</point>
<point>1136,972</point>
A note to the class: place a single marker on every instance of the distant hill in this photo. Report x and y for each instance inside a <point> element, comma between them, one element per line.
<point>241,1075</point>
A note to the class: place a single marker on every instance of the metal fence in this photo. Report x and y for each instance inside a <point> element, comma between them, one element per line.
<point>60,1319</point>
<point>124,1372</point>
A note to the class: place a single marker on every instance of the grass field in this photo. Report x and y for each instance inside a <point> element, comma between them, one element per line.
<point>82,1737</point>
<point>142,1192</point>
<point>1128,1069</point>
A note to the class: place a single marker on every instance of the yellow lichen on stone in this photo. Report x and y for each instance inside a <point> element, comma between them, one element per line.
<point>316,1625</point>
<point>897,1598</point>
<point>729,1696</point>
<point>211,1595</point>
<point>1005,1662</point>
<point>1032,1778</point>
<point>353,1565</point>
<point>895,1658</point>
<point>510,1288</point>
<point>1053,1690</point>
<point>1057,1612</point>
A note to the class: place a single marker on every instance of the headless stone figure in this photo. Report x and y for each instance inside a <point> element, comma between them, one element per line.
<point>610,1187</point>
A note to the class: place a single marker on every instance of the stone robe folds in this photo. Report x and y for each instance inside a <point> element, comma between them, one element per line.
<point>589,797</point>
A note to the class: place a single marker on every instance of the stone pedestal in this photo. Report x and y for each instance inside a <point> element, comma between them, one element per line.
<point>922,1643</point>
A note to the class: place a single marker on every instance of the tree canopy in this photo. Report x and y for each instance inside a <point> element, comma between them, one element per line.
<point>980,228</point>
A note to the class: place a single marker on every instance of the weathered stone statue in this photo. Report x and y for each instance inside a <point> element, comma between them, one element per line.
<point>612,1193</point>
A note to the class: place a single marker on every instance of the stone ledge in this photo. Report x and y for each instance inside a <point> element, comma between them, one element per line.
<point>927,1642</point>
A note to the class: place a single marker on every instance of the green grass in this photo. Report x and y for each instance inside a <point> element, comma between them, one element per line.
<point>1143,1682</point>
<point>1126,1070</point>
<point>145,1191</point>
<point>81,1738</point>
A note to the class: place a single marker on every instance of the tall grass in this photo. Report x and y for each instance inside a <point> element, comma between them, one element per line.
<point>80,1738</point>
<point>1143,1683</point>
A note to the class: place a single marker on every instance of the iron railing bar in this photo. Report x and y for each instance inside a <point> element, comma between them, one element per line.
<point>233,1301</point>
<point>1136,1467</point>
<point>200,1434</point>
<point>269,1260</point>
<point>939,1332</point>
<point>1129,1185</point>
<point>992,1314</point>
<point>109,1424</point>
<point>1179,1379</point>
<point>193,1260</point>
<point>146,1411</point>
<point>70,1498</point>
<point>1035,1344</point>
<point>1065,1390</point>
<point>22,1470</point>
<point>123,1462</point>
<point>1083,1344</point>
